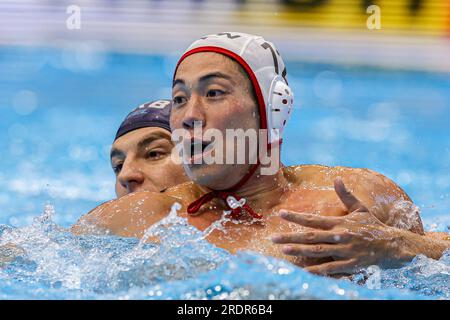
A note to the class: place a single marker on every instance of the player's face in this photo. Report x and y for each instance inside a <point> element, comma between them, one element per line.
<point>213,90</point>
<point>141,160</point>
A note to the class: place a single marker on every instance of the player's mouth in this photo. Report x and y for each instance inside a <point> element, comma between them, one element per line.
<point>199,149</point>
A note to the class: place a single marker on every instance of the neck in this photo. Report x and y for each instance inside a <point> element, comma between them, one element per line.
<point>262,192</point>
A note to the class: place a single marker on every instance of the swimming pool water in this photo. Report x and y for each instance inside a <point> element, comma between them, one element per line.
<point>58,265</point>
<point>59,112</point>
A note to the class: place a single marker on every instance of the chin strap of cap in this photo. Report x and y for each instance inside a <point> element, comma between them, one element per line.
<point>235,203</point>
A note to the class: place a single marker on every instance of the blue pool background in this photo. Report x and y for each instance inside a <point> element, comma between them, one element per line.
<point>60,108</point>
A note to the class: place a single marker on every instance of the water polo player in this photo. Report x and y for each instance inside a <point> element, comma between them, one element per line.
<point>141,152</point>
<point>331,220</point>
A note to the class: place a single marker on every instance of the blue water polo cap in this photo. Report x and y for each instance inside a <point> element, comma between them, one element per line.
<point>150,114</point>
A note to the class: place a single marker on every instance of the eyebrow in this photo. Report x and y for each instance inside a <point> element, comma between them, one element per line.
<point>205,78</point>
<point>144,142</point>
<point>153,137</point>
<point>116,153</point>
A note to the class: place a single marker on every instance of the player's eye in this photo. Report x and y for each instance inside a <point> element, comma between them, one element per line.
<point>215,93</point>
<point>155,155</point>
<point>117,168</point>
<point>179,100</point>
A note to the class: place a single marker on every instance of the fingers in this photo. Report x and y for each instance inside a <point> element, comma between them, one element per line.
<point>334,267</point>
<point>317,251</point>
<point>348,199</point>
<point>311,237</point>
<point>310,220</point>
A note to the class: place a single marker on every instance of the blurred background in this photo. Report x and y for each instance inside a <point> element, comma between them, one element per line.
<point>371,80</point>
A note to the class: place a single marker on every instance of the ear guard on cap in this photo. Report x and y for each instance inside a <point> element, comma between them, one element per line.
<point>280,102</point>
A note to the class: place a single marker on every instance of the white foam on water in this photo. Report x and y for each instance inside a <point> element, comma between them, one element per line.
<point>55,264</point>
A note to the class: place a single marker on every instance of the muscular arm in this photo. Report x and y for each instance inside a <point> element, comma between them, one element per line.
<point>385,199</point>
<point>429,245</point>
<point>374,222</point>
<point>394,208</point>
<point>128,216</point>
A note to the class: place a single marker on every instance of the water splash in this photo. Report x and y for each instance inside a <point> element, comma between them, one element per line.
<point>52,263</point>
<point>54,258</point>
<point>423,275</point>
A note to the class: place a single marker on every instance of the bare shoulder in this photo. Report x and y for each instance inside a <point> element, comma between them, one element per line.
<point>366,182</point>
<point>309,174</point>
<point>439,236</point>
<point>385,198</point>
<point>129,215</point>
<point>184,192</point>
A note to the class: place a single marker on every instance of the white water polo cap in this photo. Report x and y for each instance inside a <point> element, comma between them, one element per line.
<point>266,70</point>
